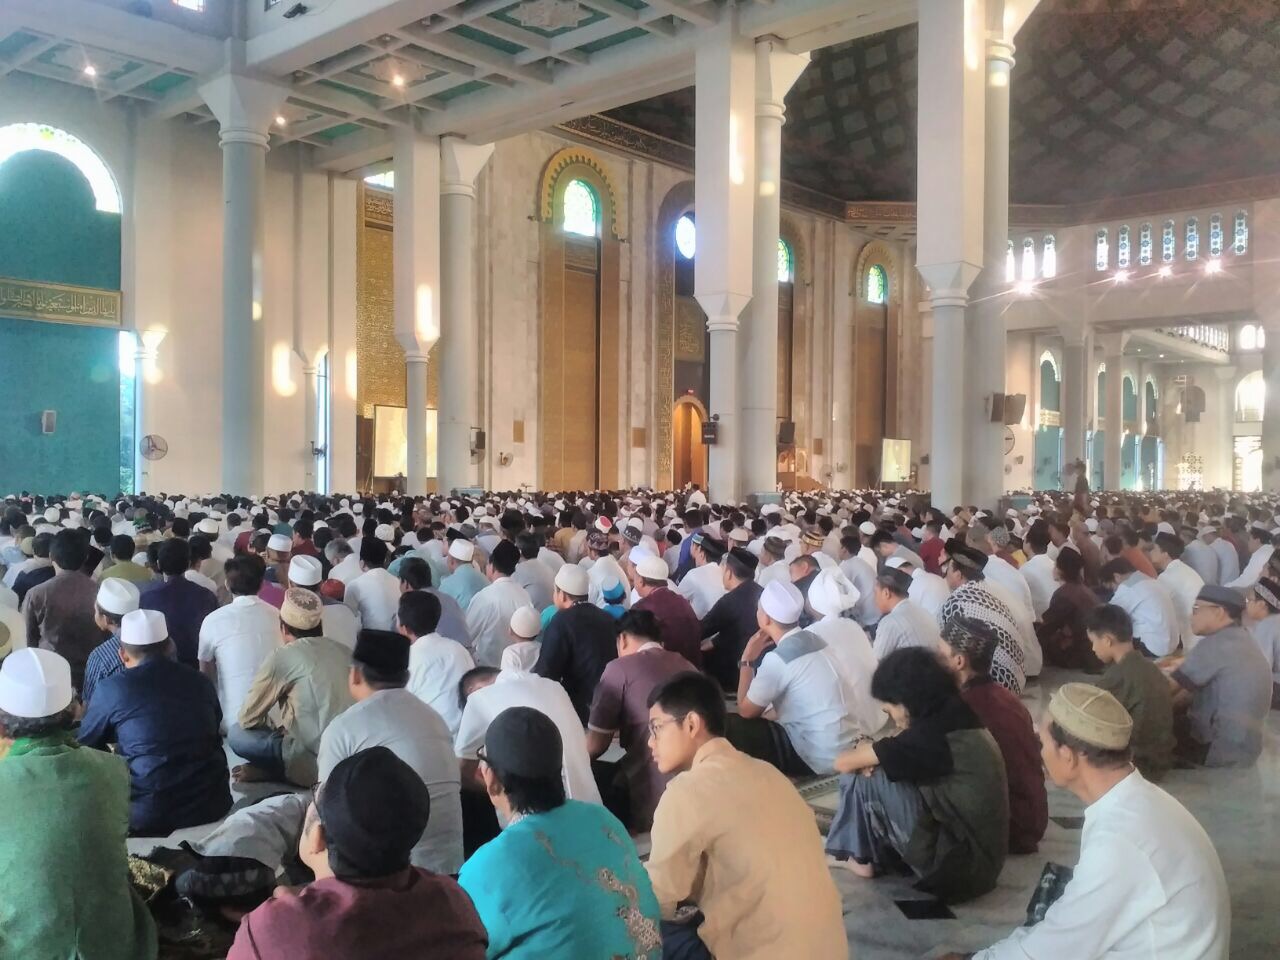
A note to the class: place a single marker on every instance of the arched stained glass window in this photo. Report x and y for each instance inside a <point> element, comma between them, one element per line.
<point>1240,235</point>
<point>1103,252</point>
<point>1049,257</point>
<point>1193,239</point>
<point>786,265</point>
<point>1010,265</point>
<point>1248,337</point>
<point>1215,235</point>
<point>581,210</point>
<point>1028,259</point>
<point>1122,247</point>
<point>1144,245</point>
<point>877,284</point>
<point>686,237</point>
<point>1168,243</point>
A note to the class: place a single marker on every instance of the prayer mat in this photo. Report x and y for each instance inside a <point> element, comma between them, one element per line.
<point>822,794</point>
<point>184,932</point>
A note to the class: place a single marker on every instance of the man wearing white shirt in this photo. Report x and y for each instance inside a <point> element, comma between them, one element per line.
<point>488,691</point>
<point>602,568</point>
<point>345,564</point>
<point>522,653</point>
<point>1155,621</point>
<point>1148,884</point>
<point>1260,550</point>
<point>772,564</point>
<point>489,613</point>
<point>375,594</point>
<point>903,622</point>
<point>1179,579</point>
<point>866,531</point>
<point>436,663</point>
<point>1200,556</point>
<point>236,640</point>
<point>704,584</point>
<point>1038,570</point>
<point>928,590</point>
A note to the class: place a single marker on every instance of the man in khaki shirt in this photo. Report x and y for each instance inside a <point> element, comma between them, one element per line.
<point>732,835</point>
<point>304,684</point>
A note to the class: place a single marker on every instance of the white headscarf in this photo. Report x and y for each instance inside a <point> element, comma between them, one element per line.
<point>832,593</point>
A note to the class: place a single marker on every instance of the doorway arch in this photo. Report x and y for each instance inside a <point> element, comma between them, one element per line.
<point>689,453</point>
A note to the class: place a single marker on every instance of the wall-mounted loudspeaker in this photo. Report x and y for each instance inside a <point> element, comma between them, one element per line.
<point>786,433</point>
<point>48,421</point>
<point>1015,405</point>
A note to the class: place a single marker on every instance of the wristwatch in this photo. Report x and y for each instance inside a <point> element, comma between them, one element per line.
<point>744,663</point>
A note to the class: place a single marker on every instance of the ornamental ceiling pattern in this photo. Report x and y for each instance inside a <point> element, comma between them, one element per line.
<point>1109,98</point>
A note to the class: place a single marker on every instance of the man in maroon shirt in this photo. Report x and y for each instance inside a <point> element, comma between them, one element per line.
<point>931,549</point>
<point>367,901</point>
<point>681,631</point>
<point>621,706</point>
<point>967,648</point>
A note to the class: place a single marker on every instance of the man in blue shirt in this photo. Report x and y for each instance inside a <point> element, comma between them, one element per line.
<point>184,604</point>
<point>563,879</point>
<point>116,597</point>
<point>164,719</point>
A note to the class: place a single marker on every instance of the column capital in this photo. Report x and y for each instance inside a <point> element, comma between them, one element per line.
<point>417,353</point>
<point>722,309</point>
<point>460,164</point>
<point>1000,54</point>
<point>1113,344</point>
<point>948,298</point>
<point>1073,334</point>
<point>777,70</point>
<point>949,280</point>
<point>245,107</point>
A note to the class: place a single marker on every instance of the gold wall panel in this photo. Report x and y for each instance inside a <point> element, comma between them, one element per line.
<point>59,303</point>
<point>691,331</point>
<point>380,368</point>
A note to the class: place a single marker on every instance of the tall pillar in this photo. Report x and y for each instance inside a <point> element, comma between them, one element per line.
<point>724,182</point>
<point>776,72</point>
<point>310,420</point>
<point>1113,350</point>
<point>1075,389</point>
<point>415,255</point>
<point>245,109</point>
<point>950,187</point>
<point>985,323</point>
<point>1271,408</point>
<point>1226,430</point>
<point>145,360</point>
<point>460,164</point>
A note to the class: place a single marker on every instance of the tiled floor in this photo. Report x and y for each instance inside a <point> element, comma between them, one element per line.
<point>1239,809</point>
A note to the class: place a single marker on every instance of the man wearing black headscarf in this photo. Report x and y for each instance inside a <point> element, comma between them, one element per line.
<point>367,901</point>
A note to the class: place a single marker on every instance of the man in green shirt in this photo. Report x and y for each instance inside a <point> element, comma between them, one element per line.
<point>1138,684</point>
<point>121,565</point>
<point>64,857</point>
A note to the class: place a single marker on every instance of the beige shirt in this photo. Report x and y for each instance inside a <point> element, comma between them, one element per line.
<point>733,835</point>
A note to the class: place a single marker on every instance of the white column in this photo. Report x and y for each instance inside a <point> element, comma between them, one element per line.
<point>1113,350</point>
<point>310,420</point>
<point>1075,388</point>
<point>1271,408</point>
<point>949,214</point>
<point>776,72</point>
<point>145,358</point>
<point>724,183</point>
<point>460,164</point>
<point>985,324</point>
<point>415,256</point>
<point>245,109</point>
<point>1226,419</point>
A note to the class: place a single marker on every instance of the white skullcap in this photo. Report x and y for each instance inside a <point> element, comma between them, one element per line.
<point>480,512</point>
<point>653,568</point>
<point>1165,527</point>
<point>118,596</point>
<point>140,558</point>
<point>738,535</point>
<point>53,515</point>
<point>279,543</point>
<point>344,502</point>
<point>832,593</point>
<point>357,508</point>
<point>384,532</point>
<point>604,525</point>
<point>638,553</point>
<point>1091,524</point>
<point>34,683</point>
<point>782,602</point>
<point>867,528</point>
<point>560,506</point>
<point>319,525</point>
<point>462,550</point>
<point>207,526</point>
<point>143,628</point>
<point>526,623</point>
<point>896,562</point>
<point>572,579</point>
<point>305,571</point>
<point>1011,513</point>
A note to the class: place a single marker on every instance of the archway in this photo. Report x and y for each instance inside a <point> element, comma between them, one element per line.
<point>689,454</point>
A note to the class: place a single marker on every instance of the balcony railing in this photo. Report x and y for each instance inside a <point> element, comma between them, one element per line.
<point>1204,335</point>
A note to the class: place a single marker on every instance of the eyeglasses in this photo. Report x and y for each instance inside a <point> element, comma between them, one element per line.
<point>656,725</point>
<point>482,755</point>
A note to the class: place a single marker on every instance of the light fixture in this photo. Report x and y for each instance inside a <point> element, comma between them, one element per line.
<point>397,80</point>
<point>1162,356</point>
<point>1024,288</point>
<point>1166,271</point>
<point>1212,267</point>
<point>1122,276</point>
<point>90,70</point>
<point>281,121</point>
